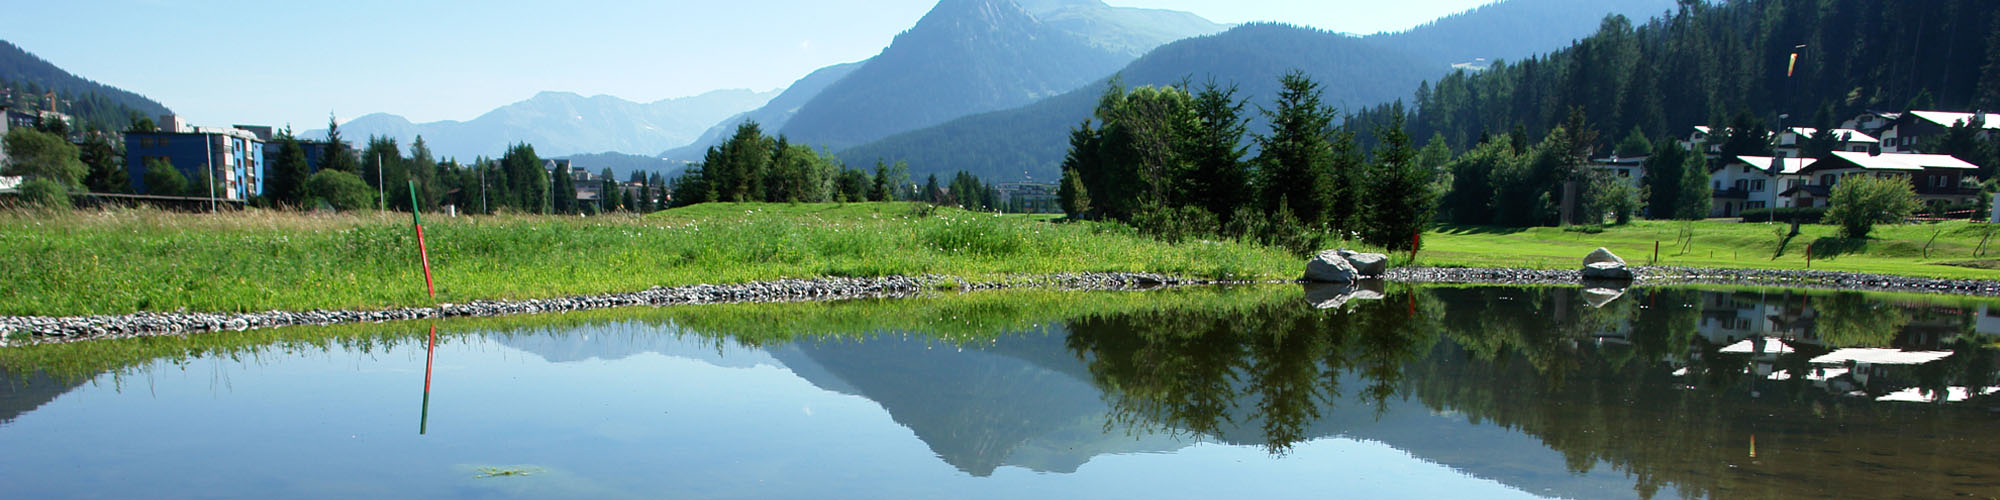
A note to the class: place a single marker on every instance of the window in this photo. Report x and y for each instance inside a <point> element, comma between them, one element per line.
<point>1757,186</point>
<point>1746,169</point>
<point>1742,184</point>
<point>1792,183</point>
<point>1624,172</point>
<point>1753,204</point>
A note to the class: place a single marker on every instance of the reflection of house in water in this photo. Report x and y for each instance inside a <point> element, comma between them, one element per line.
<point>1728,318</point>
<point>1770,330</point>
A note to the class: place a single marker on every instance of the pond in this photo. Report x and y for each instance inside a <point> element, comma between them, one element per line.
<point>1387,391</point>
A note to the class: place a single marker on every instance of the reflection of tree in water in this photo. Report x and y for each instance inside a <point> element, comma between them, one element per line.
<point>1598,385</point>
<point>1280,361</point>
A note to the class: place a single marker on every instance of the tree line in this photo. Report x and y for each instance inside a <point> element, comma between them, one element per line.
<point>753,167</point>
<point>1174,162</point>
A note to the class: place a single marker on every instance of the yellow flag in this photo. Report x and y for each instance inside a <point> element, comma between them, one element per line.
<point>1792,65</point>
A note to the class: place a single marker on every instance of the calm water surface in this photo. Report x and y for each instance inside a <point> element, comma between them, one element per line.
<point>1405,392</point>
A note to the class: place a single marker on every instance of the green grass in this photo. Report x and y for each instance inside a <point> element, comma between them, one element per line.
<point>142,260</point>
<point>1891,249</point>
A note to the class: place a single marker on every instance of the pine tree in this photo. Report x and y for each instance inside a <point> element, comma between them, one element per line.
<point>338,155</point>
<point>1296,157</point>
<point>1220,181</point>
<point>613,194</point>
<point>287,174</point>
<point>1399,203</point>
<point>564,188</point>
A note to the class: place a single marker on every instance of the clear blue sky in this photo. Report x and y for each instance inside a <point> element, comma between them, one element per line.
<point>225,62</point>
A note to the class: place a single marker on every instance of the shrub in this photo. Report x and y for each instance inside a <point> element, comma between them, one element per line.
<point>162,179</point>
<point>1174,225</point>
<point>1861,201</point>
<point>45,193</point>
<point>342,190</point>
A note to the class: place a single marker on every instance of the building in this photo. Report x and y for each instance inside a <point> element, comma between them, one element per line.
<point>1629,170</point>
<point>1791,141</point>
<point>1906,134</point>
<point>234,157</point>
<point>1937,179</point>
<point>1752,182</point>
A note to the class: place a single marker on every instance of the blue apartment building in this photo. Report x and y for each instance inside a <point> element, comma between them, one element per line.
<point>235,155</point>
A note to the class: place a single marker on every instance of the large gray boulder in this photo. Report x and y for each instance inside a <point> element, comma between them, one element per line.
<point>1330,267</point>
<point>1368,264</point>
<point>1604,265</point>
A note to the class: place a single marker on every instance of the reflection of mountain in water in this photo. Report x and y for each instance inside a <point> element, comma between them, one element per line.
<point>1016,401</point>
<point>621,340</point>
<point>23,393</point>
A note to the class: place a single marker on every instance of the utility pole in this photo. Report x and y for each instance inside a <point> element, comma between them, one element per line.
<point>208,161</point>
<point>482,188</point>
<point>381,194</point>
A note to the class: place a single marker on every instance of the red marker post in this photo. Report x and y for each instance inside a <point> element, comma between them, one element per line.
<point>422,251</point>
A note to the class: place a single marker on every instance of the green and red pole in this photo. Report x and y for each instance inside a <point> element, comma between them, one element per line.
<point>422,251</point>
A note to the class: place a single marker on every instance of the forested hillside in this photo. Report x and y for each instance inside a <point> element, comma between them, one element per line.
<point>1709,63</point>
<point>91,103</point>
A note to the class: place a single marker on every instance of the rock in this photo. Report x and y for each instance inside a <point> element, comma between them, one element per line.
<point>1599,294</point>
<point>1602,264</point>
<point>1330,267</point>
<point>1367,264</point>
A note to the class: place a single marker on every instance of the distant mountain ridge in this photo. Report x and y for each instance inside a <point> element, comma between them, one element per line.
<point>563,123</point>
<point>771,116</point>
<point>90,100</point>
<point>1028,142</point>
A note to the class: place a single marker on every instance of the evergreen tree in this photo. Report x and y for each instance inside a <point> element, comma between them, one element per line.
<point>1400,202</point>
<point>1296,161</point>
<point>162,179</point>
<point>881,189</point>
<point>338,155</point>
<point>1635,145</point>
<point>527,184</point>
<point>287,174</point>
<point>933,193</point>
<point>424,170</point>
<point>564,187</point>
<point>613,194</point>
<point>1221,181</point>
<point>107,166</point>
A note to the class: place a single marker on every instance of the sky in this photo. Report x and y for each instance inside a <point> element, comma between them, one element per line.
<point>218,62</point>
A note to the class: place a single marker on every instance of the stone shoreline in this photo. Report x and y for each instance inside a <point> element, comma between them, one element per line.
<point>44,329</point>
<point>47,329</point>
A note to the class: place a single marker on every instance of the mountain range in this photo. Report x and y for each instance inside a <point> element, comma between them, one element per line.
<point>1027,142</point>
<point>563,123</point>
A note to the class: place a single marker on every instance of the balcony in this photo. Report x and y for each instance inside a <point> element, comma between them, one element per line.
<point>1732,194</point>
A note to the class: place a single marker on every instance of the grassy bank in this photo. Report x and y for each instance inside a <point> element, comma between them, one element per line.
<point>1955,252</point>
<point>143,260</point>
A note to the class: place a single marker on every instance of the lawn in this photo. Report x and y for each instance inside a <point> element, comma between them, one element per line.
<point>1955,252</point>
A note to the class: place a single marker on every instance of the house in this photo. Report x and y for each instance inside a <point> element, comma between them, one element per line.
<point>1791,141</point>
<point>1629,170</point>
<point>1937,179</point>
<point>234,157</point>
<point>1705,140</point>
<point>1907,133</point>
<point>1751,182</point>
<point>1871,122</point>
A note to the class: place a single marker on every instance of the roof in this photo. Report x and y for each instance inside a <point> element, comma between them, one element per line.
<point>1846,134</point>
<point>1947,118</point>
<point>1702,128</point>
<point>1903,161</point>
<point>1791,165</point>
<point>1615,160</point>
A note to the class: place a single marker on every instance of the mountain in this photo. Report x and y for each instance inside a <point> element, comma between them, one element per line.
<point>972,56</point>
<point>771,116</point>
<point>27,74</point>
<point>1028,142</point>
<point>563,123</point>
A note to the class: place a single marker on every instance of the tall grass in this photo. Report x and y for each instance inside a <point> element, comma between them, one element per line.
<point>1942,250</point>
<point>124,261</point>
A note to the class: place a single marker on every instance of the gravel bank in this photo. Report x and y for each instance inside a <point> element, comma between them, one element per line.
<point>43,329</point>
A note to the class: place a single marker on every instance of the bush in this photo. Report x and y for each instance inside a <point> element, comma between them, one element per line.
<point>46,194</point>
<point>1860,202</point>
<point>1175,225</point>
<point>342,190</point>
<point>1805,215</point>
<point>162,179</point>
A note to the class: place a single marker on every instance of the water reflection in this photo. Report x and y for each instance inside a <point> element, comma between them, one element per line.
<point>1579,392</point>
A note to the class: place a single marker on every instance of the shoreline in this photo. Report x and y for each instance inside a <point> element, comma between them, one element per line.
<point>53,329</point>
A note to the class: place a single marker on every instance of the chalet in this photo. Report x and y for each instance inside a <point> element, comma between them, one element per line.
<point>1938,179</point>
<point>1751,182</point>
<point>1907,133</point>
<point>1705,139</point>
<point>1629,170</point>
<point>1791,141</point>
<point>1872,122</point>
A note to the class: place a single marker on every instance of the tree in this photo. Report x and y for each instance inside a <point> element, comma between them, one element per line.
<point>612,193</point>
<point>881,190</point>
<point>1220,181</point>
<point>1296,161</point>
<point>287,174</point>
<point>565,190</point>
<point>338,155</point>
<point>36,154</point>
<point>1861,201</point>
<point>46,194</point>
<point>527,183</point>
<point>1635,145</point>
<point>1695,196</point>
<point>424,170</point>
<point>1400,201</point>
<point>382,167</point>
<point>1074,198</point>
<point>162,179</point>
<point>107,167</point>
<point>339,189</point>
<point>854,185</point>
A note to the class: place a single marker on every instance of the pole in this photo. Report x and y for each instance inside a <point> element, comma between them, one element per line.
<point>208,167</point>
<point>1656,252</point>
<point>422,251</point>
<point>1809,255</point>
<point>482,189</point>
<point>430,359</point>
<point>381,191</point>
